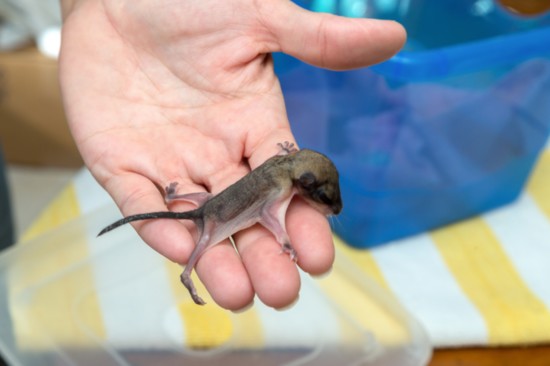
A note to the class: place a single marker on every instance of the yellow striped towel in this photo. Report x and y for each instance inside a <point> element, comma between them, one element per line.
<point>69,290</point>
<point>483,281</point>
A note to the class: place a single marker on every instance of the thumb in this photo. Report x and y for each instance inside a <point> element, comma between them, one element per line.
<point>331,41</point>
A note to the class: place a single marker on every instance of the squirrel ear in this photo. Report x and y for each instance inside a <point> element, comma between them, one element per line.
<point>307,179</point>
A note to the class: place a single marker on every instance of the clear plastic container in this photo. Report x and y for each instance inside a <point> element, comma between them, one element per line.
<point>69,298</point>
<point>448,128</point>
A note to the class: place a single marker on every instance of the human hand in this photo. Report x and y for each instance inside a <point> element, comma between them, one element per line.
<point>184,91</point>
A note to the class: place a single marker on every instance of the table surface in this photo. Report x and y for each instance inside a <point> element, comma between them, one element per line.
<point>506,356</point>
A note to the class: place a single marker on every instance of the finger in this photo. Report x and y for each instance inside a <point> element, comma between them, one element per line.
<point>224,275</point>
<point>135,194</point>
<point>328,40</point>
<point>219,268</point>
<point>273,275</point>
<point>311,237</point>
<point>264,147</point>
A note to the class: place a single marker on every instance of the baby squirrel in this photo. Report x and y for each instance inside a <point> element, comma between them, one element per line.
<point>262,196</point>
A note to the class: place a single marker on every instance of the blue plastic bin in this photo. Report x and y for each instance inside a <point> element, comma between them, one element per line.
<point>448,128</point>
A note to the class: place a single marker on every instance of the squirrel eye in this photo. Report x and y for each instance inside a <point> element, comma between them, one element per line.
<point>307,179</point>
<point>324,198</point>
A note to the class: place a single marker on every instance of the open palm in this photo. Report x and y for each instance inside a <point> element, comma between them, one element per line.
<point>184,91</point>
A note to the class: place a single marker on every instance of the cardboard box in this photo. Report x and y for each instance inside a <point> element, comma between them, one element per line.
<point>33,128</point>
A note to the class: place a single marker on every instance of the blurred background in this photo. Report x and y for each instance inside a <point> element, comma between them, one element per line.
<point>404,112</point>
<point>36,142</point>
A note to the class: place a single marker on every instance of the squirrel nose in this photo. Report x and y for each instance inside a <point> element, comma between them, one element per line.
<point>336,208</point>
